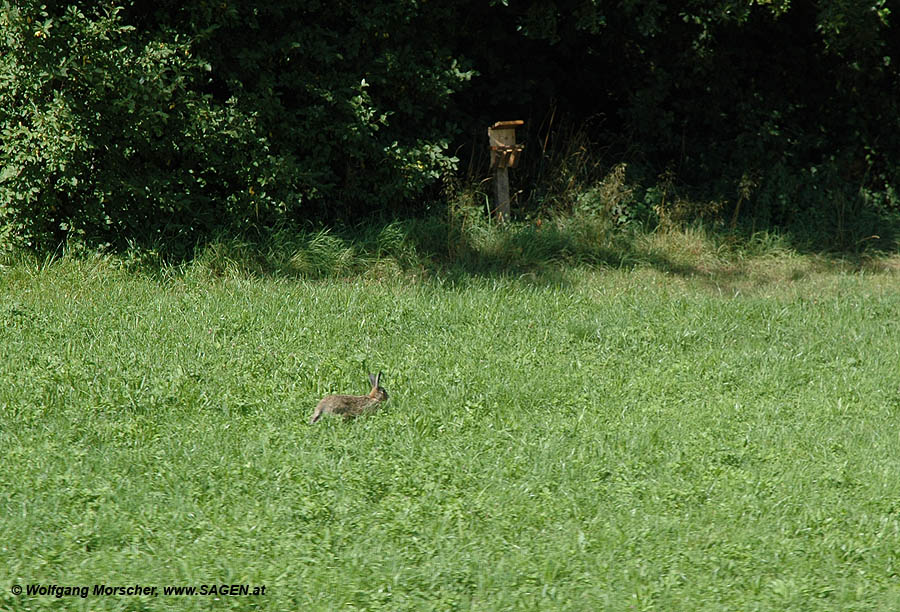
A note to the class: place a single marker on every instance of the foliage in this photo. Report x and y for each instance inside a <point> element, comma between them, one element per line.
<point>106,134</point>
<point>714,91</point>
<point>167,122</point>
<point>161,122</point>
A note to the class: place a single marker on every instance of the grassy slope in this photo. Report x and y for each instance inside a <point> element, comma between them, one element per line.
<point>564,440</point>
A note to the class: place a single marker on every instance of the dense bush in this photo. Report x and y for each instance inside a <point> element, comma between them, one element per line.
<point>793,109</point>
<point>107,134</point>
<point>163,122</point>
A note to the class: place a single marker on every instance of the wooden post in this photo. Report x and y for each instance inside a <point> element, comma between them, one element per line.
<point>501,193</point>
<point>505,154</point>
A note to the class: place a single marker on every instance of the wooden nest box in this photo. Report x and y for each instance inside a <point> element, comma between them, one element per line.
<point>505,152</point>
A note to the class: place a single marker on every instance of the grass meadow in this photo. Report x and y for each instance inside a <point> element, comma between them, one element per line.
<point>715,434</point>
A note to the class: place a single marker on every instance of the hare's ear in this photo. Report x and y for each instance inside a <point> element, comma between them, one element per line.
<point>375,381</point>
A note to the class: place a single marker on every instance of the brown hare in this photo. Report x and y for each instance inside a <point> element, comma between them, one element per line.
<point>350,406</point>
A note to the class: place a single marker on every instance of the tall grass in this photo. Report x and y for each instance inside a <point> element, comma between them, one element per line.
<point>586,413</point>
<point>638,437</point>
<point>465,243</point>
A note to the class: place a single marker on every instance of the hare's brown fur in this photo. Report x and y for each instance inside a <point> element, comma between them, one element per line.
<point>350,406</point>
